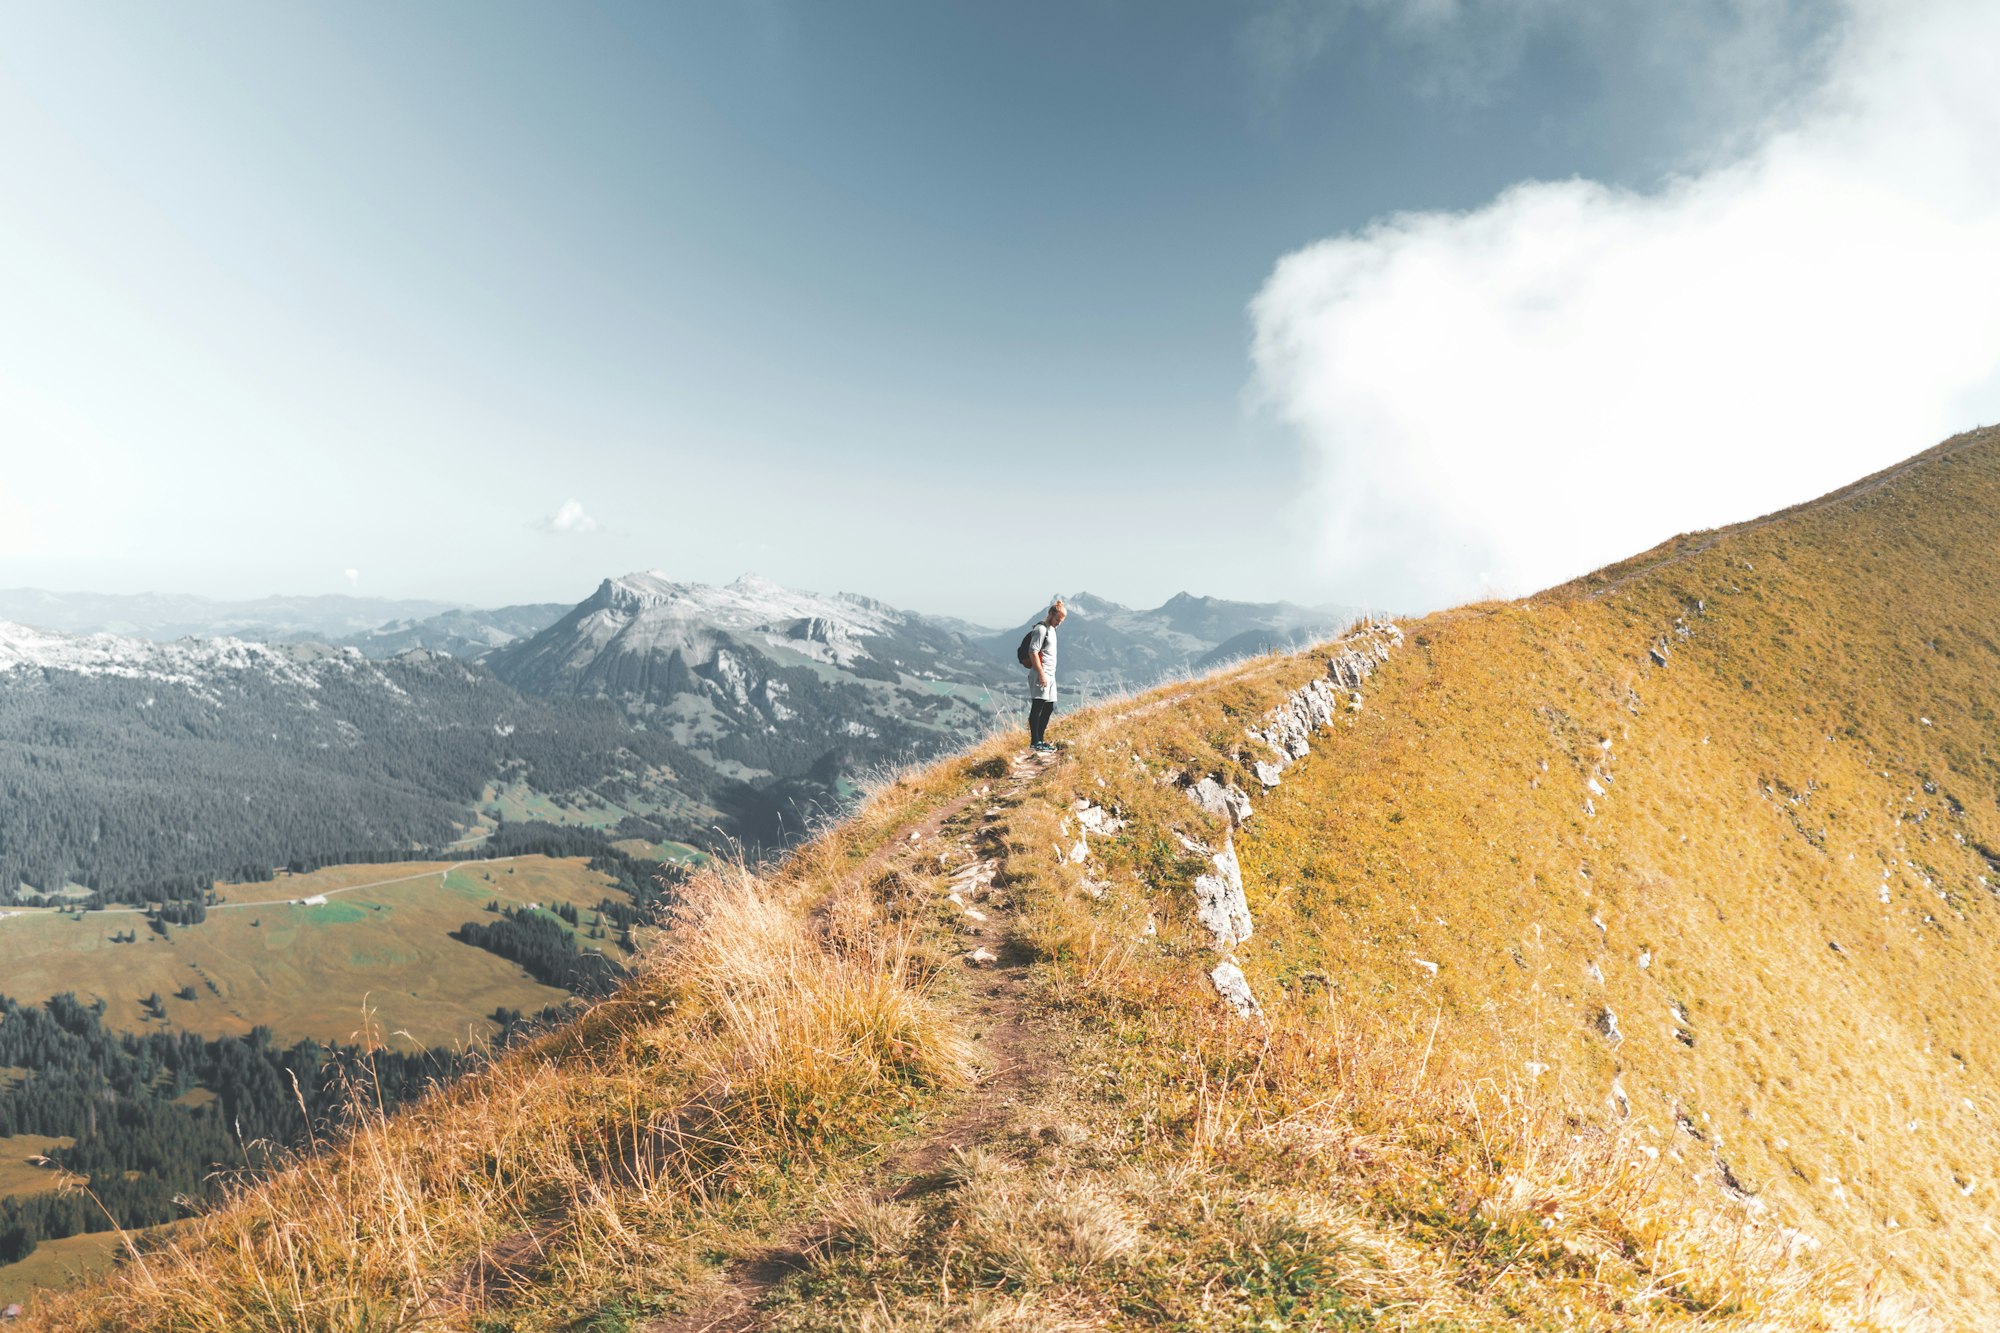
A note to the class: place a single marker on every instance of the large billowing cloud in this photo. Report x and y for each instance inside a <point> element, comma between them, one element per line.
<point>1498,400</point>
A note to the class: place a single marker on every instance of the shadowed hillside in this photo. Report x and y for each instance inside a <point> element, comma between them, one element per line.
<point>1624,957</point>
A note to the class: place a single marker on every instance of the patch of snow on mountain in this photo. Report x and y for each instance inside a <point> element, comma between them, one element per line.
<point>194,663</point>
<point>751,602</point>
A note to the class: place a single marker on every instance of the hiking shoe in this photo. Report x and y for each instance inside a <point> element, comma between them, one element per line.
<point>1043,746</point>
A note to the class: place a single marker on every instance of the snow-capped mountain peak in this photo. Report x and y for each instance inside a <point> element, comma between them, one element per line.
<point>750,602</point>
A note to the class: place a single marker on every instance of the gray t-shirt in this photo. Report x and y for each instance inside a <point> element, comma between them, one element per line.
<point>1043,640</point>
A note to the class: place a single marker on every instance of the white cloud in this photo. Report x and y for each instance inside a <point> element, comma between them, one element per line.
<point>1501,399</point>
<point>353,577</point>
<point>570,518</point>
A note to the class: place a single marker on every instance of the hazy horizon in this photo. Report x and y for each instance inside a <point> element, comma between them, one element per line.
<point>1327,301</point>
<point>442,604</point>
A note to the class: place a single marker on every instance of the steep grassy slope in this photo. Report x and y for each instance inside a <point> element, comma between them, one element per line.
<point>1749,781</point>
<point>1625,958</point>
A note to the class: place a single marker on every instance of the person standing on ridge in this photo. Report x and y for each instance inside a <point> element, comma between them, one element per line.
<point>1038,654</point>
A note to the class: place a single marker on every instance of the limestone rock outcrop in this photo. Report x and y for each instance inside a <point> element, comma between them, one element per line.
<point>1228,801</point>
<point>1311,707</point>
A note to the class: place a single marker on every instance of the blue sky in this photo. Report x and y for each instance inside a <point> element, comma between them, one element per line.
<point>948,304</point>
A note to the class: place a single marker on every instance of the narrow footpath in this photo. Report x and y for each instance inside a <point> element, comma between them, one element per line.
<point>968,835</point>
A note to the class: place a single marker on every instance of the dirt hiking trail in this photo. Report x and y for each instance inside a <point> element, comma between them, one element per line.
<point>968,836</point>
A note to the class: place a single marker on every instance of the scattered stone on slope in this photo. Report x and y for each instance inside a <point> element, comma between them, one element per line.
<point>1096,819</point>
<point>1607,1026</point>
<point>1230,802</point>
<point>1219,902</point>
<point>975,874</point>
<point>1234,988</point>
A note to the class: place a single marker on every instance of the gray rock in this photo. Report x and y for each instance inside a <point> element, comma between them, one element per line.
<point>1096,819</point>
<point>1219,902</point>
<point>1234,988</point>
<point>1357,656</point>
<point>1229,801</point>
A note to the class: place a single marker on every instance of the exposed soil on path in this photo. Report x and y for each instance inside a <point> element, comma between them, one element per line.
<point>1008,1050</point>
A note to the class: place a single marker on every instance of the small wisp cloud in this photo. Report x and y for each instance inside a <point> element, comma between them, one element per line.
<point>569,519</point>
<point>1499,400</point>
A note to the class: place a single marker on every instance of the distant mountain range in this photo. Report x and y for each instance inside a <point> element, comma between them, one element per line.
<point>1108,648</point>
<point>462,631</point>
<point>154,615</point>
<point>653,708</point>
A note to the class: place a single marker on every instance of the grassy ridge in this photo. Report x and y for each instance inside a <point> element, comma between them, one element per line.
<point>1555,1034</point>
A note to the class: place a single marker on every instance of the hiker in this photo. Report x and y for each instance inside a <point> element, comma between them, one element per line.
<point>1038,654</point>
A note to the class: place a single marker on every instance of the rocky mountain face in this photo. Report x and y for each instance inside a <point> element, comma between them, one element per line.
<point>1107,648</point>
<point>163,616</point>
<point>767,684</point>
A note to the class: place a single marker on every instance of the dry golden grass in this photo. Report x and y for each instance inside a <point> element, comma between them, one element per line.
<point>1427,1127</point>
<point>727,1081</point>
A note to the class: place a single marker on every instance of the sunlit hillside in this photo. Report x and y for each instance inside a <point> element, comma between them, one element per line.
<point>1621,958</point>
